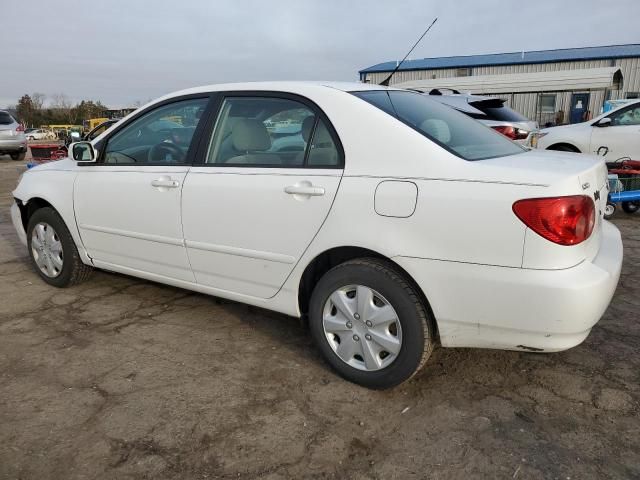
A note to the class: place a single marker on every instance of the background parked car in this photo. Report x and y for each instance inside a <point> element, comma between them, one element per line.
<point>39,134</point>
<point>618,131</point>
<point>490,111</point>
<point>12,139</point>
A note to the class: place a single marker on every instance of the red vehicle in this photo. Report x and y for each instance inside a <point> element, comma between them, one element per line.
<point>47,152</point>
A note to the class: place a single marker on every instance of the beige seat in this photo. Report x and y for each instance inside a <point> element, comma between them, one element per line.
<point>251,137</point>
<point>323,150</point>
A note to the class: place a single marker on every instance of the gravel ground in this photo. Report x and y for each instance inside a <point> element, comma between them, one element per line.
<point>123,378</point>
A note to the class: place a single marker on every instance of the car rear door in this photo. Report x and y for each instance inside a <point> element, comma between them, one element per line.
<point>128,204</point>
<point>265,185</point>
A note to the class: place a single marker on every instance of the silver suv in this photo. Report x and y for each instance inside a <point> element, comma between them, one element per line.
<point>489,110</point>
<point>12,139</point>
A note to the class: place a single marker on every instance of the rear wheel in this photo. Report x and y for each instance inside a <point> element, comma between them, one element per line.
<point>370,324</point>
<point>630,207</point>
<point>18,156</point>
<point>52,250</point>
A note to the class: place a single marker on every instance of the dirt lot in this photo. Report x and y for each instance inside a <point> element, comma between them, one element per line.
<point>122,378</point>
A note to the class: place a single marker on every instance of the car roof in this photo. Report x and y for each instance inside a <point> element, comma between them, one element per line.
<point>284,86</point>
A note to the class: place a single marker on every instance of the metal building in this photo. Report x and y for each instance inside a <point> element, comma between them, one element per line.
<point>550,86</point>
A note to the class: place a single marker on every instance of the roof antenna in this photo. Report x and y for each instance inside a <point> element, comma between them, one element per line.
<point>386,81</point>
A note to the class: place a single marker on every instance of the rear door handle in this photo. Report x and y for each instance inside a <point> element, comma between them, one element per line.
<point>165,182</point>
<point>304,189</point>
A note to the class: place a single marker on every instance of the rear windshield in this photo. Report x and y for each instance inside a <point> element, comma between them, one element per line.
<point>448,128</point>
<point>5,118</point>
<point>495,110</point>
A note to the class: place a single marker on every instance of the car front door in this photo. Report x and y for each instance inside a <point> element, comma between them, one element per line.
<point>264,188</point>
<point>128,203</point>
<point>621,137</point>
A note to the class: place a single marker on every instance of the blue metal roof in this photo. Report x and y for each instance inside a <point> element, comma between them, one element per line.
<point>513,58</point>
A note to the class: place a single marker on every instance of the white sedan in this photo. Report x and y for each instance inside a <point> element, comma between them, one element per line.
<point>40,134</point>
<point>615,134</point>
<point>393,222</point>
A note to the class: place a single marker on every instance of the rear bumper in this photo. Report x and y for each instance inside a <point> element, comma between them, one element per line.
<point>16,219</point>
<point>519,309</point>
<point>13,145</point>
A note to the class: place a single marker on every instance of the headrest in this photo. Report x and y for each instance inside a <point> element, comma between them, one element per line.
<point>250,135</point>
<point>438,129</point>
<point>307,127</point>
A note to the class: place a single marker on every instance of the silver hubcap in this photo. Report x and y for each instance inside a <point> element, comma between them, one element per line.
<point>47,250</point>
<point>362,327</point>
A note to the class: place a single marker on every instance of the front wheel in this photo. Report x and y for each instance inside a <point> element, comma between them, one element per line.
<point>18,156</point>
<point>630,207</point>
<point>53,251</point>
<point>370,323</point>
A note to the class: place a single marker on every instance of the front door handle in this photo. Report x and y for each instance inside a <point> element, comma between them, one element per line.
<point>165,182</point>
<point>304,188</point>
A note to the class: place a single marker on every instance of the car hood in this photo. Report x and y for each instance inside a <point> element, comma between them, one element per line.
<point>62,164</point>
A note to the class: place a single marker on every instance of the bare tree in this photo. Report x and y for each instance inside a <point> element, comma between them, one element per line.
<point>37,100</point>
<point>62,106</point>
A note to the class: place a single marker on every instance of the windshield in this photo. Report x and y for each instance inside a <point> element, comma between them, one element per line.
<point>448,128</point>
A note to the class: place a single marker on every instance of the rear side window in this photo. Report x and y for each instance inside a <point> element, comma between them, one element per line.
<point>271,132</point>
<point>6,119</point>
<point>450,129</point>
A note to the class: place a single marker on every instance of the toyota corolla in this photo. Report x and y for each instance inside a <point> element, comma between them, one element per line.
<point>392,222</point>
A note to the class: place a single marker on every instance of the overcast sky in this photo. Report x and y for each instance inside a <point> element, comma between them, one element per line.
<point>123,51</point>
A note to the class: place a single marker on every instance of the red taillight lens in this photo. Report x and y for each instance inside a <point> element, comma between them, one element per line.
<point>562,220</point>
<point>20,128</point>
<point>512,132</point>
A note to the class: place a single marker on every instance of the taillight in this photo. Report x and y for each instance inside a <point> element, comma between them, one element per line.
<point>513,133</point>
<point>20,128</point>
<point>562,220</point>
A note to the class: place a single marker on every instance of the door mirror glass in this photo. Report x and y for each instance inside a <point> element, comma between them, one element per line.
<point>604,122</point>
<point>82,152</point>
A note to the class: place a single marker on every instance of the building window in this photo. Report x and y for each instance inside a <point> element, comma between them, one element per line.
<point>633,94</point>
<point>547,103</point>
<point>463,72</point>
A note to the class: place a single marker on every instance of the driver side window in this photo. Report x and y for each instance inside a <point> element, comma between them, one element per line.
<point>161,136</point>
<point>630,116</point>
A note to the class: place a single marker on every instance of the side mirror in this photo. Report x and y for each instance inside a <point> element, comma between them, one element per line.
<point>603,122</point>
<point>82,152</point>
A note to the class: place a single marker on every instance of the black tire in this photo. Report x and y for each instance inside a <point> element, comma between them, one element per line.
<point>418,330</point>
<point>73,270</point>
<point>630,207</point>
<point>18,156</point>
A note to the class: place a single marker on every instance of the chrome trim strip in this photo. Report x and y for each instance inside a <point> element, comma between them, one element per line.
<point>241,252</point>
<point>137,235</point>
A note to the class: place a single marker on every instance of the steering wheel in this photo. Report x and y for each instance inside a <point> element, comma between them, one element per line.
<point>158,152</point>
